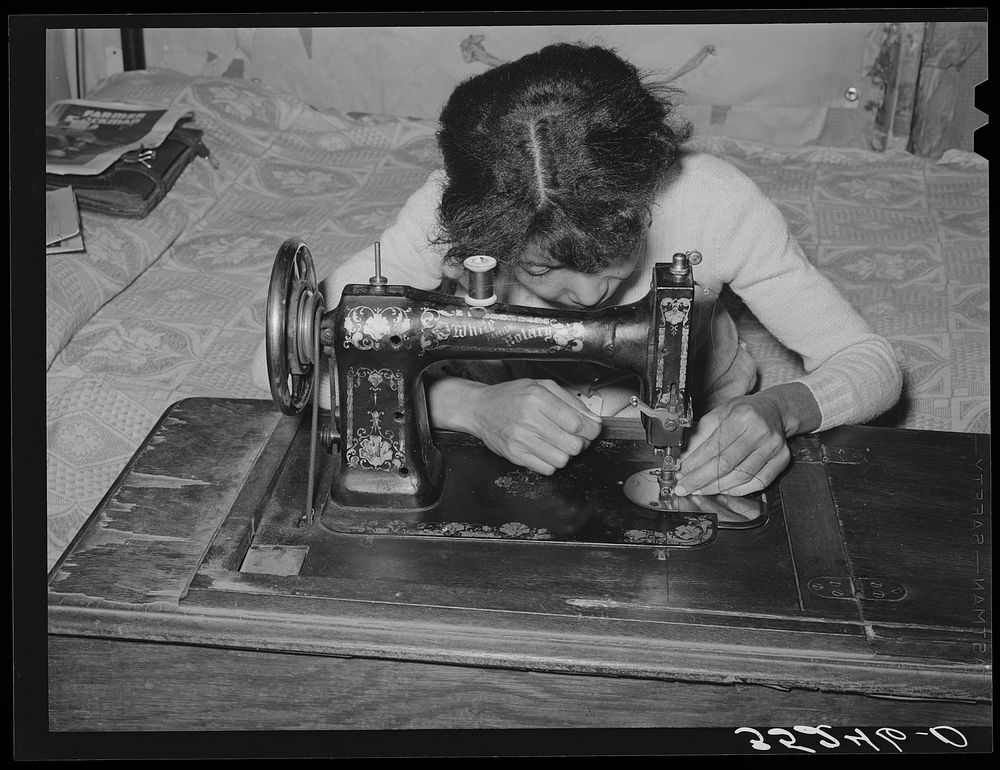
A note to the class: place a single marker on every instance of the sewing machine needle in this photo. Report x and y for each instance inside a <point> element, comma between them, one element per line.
<point>668,474</point>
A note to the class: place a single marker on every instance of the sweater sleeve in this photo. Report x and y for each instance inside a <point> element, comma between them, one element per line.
<point>851,371</point>
<point>408,256</point>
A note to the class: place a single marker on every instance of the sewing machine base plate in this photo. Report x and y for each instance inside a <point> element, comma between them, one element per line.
<point>192,583</point>
<point>487,497</point>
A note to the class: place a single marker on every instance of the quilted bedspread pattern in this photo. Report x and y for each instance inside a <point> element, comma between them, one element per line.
<point>173,306</point>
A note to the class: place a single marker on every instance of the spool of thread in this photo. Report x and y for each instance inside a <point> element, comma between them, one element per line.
<point>479,269</point>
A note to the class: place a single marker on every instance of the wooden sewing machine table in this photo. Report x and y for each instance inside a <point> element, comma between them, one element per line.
<point>865,599</point>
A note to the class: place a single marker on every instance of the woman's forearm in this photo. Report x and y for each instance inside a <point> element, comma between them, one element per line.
<point>449,401</point>
<point>800,413</point>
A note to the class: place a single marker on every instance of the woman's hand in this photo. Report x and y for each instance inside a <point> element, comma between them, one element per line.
<point>534,423</point>
<point>736,449</point>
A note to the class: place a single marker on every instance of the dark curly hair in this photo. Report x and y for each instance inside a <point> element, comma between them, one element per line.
<point>561,149</point>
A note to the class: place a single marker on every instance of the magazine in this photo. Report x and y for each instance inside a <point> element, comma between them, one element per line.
<point>86,137</point>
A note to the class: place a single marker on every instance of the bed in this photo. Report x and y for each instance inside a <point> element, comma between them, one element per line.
<point>173,306</point>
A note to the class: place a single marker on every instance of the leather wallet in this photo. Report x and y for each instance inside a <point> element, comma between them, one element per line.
<point>135,183</point>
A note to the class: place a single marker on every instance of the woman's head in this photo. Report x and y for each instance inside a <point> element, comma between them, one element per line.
<point>556,155</point>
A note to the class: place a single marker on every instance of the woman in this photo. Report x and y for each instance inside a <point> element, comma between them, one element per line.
<point>567,167</point>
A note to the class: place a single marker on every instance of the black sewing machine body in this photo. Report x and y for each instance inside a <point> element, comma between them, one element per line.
<point>384,341</point>
<point>392,474</point>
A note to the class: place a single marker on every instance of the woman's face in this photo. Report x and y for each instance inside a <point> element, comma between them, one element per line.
<point>550,281</point>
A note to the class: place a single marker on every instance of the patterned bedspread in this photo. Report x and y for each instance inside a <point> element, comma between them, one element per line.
<point>173,306</point>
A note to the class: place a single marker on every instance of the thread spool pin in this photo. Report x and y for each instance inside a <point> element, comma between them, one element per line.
<point>378,281</point>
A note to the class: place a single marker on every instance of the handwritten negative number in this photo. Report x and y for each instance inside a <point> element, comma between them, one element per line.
<point>858,737</point>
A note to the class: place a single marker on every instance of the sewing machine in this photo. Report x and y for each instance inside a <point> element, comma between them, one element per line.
<point>393,476</point>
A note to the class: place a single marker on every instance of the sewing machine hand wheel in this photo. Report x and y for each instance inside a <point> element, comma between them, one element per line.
<point>292,302</point>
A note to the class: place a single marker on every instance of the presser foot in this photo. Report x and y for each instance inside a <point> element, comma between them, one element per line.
<point>645,490</point>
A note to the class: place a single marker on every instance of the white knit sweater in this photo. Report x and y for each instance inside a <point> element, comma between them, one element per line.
<point>707,205</point>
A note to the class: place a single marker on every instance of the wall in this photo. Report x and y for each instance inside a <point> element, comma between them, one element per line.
<point>784,84</point>
<point>411,70</point>
<point>60,67</point>
<point>953,63</point>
